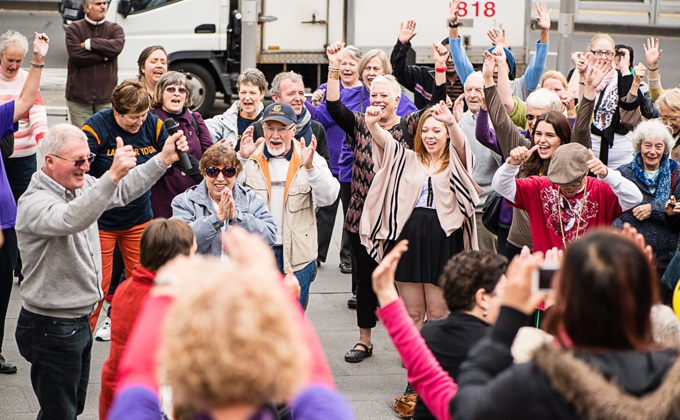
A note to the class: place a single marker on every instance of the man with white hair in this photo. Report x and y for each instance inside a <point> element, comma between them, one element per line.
<point>59,242</point>
<point>93,46</point>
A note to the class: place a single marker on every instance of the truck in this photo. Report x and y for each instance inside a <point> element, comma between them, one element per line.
<point>213,40</point>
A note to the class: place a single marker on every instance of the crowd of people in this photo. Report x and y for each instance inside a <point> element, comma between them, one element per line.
<point>205,235</point>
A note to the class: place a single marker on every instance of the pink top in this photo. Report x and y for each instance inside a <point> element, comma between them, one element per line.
<point>432,384</point>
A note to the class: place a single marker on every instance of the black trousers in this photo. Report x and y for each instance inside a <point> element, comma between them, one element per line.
<point>362,268</point>
<point>8,258</point>
<point>19,173</point>
<point>345,195</point>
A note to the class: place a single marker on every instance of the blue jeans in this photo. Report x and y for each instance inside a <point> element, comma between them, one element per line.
<point>305,276</point>
<point>58,350</point>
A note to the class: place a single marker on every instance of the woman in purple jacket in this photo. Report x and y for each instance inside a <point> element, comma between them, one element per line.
<point>172,101</point>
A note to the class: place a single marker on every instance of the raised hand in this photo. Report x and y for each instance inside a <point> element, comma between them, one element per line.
<point>407,31</point>
<point>639,72</point>
<point>373,115</point>
<point>642,212</point>
<point>543,15</point>
<point>596,166</point>
<point>317,96</point>
<point>124,160</point>
<point>223,205</point>
<point>248,145</point>
<point>459,107</point>
<point>498,37</point>
<point>498,54</point>
<point>520,154</point>
<point>177,141</point>
<point>442,113</point>
<point>567,99</point>
<point>583,62</point>
<point>575,56</point>
<point>624,62</point>
<point>440,54</point>
<point>595,73</point>
<point>383,276</point>
<point>41,44</point>
<point>517,293</point>
<point>333,53</point>
<point>652,52</point>
<point>453,11</point>
<point>307,152</point>
<point>487,68</point>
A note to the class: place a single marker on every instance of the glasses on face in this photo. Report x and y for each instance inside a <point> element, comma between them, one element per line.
<point>530,117</point>
<point>600,53</point>
<point>671,120</point>
<point>78,162</point>
<point>214,172</point>
<point>173,89</point>
<point>271,130</point>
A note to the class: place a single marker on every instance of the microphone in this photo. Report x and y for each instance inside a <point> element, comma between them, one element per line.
<point>172,127</point>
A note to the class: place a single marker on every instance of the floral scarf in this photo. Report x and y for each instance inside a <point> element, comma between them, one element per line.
<point>604,113</point>
<point>662,179</point>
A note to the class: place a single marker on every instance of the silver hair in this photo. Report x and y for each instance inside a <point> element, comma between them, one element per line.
<point>168,79</point>
<point>57,139</point>
<point>652,130</point>
<point>10,38</point>
<point>391,82</point>
<point>354,52</point>
<point>544,99</point>
<point>472,76</point>
<point>291,75</point>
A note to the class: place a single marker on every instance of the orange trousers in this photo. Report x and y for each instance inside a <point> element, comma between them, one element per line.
<point>128,240</point>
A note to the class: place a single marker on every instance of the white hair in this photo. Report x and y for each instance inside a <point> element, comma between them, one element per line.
<point>391,83</point>
<point>10,38</point>
<point>652,130</point>
<point>473,76</point>
<point>57,139</point>
<point>544,99</point>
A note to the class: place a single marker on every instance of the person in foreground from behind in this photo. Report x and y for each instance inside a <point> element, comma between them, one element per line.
<point>608,365</point>
<point>59,241</point>
<point>162,240</point>
<point>265,350</point>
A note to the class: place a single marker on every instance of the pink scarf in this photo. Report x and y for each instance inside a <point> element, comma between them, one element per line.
<point>607,78</point>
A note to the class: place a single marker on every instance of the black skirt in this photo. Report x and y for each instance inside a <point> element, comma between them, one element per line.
<point>429,248</point>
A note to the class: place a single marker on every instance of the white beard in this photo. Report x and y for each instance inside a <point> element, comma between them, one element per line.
<point>275,153</point>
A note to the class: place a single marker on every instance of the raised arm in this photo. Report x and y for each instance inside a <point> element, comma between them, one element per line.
<point>27,97</point>
<point>504,87</point>
<point>378,134</point>
<point>460,60</point>
<point>581,131</point>
<point>333,84</point>
<point>458,140</point>
<point>653,54</point>
<point>408,76</point>
<point>504,179</point>
<point>536,67</point>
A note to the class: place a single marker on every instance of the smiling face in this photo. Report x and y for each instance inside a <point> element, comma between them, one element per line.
<point>546,139</point>
<point>174,98</point>
<point>218,184</point>
<point>382,96</point>
<point>349,73</point>
<point>474,92</point>
<point>130,122</point>
<point>652,150</point>
<point>249,96</point>
<point>278,137</point>
<point>63,170</point>
<point>155,67</point>
<point>434,136</point>
<point>374,68</point>
<point>671,118</point>
<point>10,62</point>
<point>291,93</point>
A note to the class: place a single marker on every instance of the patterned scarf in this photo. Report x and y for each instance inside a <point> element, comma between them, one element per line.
<point>304,126</point>
<point>662,179</point>
<point>608,104</point>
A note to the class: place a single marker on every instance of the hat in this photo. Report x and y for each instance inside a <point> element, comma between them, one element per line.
<point>279,112</point>
<point>510,58</point>
<point>568,164</point>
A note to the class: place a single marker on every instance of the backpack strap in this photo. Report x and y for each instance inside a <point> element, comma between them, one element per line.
<point>195,124</point>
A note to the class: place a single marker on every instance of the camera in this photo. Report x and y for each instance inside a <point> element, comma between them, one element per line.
<point>542,278</point>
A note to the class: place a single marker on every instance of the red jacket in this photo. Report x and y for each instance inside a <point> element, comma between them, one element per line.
<point>127,302</point>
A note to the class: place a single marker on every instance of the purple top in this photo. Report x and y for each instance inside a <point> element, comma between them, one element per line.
<point>334,134</point>
<point>174,181</point>
<point>8,207</point>
<point>357,99</point>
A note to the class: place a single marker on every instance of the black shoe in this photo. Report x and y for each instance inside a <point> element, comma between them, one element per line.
<point>352,302</point>
<point>6,367</point>
<point>346,267</point>
<point>357,355</point>
<point>409,389</point>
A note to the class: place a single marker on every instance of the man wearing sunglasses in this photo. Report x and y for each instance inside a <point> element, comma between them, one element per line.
<point>59,241</point>
<point>291,178</point>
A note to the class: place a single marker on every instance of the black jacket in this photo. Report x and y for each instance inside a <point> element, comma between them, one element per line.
<point>558,384</point>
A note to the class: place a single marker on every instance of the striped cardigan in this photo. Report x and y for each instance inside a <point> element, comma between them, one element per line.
<point>396,188</point>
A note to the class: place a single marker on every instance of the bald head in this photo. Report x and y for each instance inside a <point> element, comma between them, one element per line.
<point>474,91</point>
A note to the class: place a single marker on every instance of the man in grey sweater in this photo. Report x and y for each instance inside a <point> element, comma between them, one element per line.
<point>486,161</point>
<point>59,242</point>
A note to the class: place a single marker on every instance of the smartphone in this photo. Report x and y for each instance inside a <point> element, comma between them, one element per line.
<point>542,278</point>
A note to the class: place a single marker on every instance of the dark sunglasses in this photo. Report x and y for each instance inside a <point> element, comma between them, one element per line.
<point>78,162</point>
<point>173,89</point>
<point>214,172</point>
<point>530,117</point>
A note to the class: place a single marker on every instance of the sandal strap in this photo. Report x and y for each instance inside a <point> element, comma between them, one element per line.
<point>366,349</point>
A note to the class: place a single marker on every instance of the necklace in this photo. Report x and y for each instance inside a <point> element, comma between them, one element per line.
<point>390,123</point>
<point>578,221</point>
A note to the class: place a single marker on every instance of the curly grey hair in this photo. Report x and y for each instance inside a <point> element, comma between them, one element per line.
<point>653,130</point>
<point>10,38</point>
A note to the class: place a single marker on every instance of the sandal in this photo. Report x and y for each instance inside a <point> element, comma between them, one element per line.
<point>357,355</point>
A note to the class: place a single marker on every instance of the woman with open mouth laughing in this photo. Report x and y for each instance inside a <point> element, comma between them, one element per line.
<point>153,64</point>
<point>172,101</point>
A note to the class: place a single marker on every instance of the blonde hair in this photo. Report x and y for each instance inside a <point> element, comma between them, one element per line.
<point>232,338</point>
<point>420,149</point>
<point>670,99</point>
<point>600,36</point>
<point>554,74</point>
<point>382,55</point>
<point>391,82</point>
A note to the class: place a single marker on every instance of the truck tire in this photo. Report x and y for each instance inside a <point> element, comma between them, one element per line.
<point>201,84</point>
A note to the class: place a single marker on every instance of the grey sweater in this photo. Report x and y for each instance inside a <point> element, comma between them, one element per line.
<point>59,240</point>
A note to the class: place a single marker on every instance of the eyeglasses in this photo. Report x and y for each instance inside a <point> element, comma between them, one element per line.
<point>214,172</point>
<point>530,117</point>
<point>272,130</point>
<point>670,119</point>
<point>173,89</point>
<point>600,53</point>
<point>78,162</point>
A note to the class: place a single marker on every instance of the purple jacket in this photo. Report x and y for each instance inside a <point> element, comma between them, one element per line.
<point>334,134</point>
<point>174,181</point>
<point>8,207</point>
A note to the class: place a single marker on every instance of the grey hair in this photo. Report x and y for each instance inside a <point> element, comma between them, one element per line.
<point>472,76</point>
<point>652,130</point>
<point>291,75</point>
<point>370,54</point>
<point>391,83</point>
<point>57,139</point>
<point>544,99</point>
<point>352,51</point>
<point>168,79</point>
<point>12,37</point>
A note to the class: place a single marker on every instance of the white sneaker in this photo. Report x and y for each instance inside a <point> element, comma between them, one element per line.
<point>104,331</point>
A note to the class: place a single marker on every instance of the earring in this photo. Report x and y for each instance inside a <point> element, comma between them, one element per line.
<point>484,314</point>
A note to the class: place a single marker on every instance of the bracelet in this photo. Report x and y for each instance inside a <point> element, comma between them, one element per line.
<point>333,68</point>
<point>440,69</point>
<point>582,83</point>
<point>454,25</point>
<point>650,69</point>
<point>450,124</point>
<point>36,65</point>
<point>333,74</point>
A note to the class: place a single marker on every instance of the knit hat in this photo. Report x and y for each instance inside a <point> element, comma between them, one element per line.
<point>568,164</point>
<point>510,58</point>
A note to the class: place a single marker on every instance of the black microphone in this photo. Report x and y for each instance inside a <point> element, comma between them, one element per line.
<point>172,127</point>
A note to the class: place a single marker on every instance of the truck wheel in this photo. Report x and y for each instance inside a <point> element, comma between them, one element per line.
<point>201,84</point>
